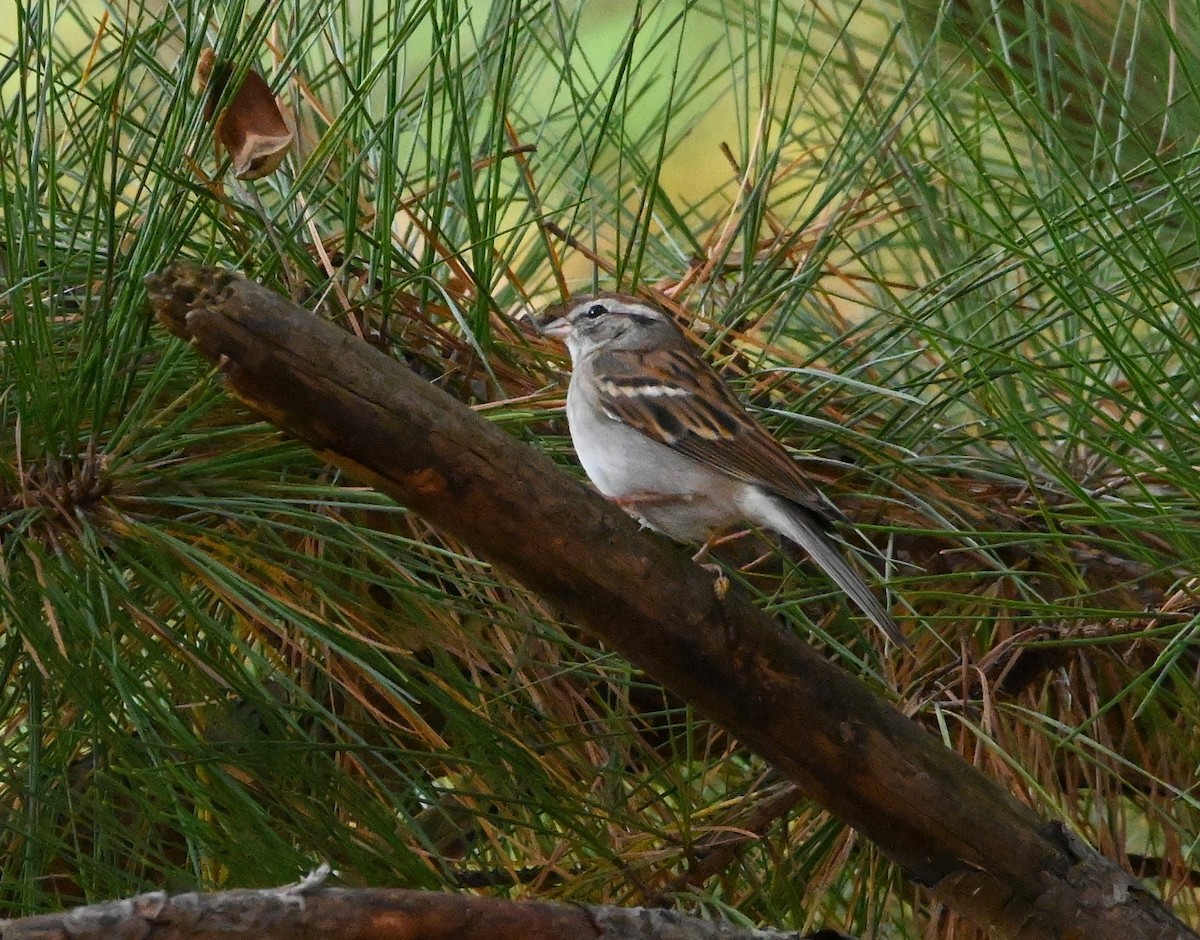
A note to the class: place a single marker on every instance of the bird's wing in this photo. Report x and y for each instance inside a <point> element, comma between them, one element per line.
<point>676,398</point>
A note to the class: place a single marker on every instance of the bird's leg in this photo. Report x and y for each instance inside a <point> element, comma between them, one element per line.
<point>721,584</point>
<point>631,502</point>
<point>751,565</point>
<point>727,537</point>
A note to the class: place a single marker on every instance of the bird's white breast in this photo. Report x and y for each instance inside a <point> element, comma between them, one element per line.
<point>665,489</point>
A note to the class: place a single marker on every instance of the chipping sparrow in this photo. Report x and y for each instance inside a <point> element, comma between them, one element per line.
<point>661,435</point>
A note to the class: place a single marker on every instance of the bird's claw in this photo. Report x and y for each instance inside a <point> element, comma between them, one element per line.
<point>721,584</point>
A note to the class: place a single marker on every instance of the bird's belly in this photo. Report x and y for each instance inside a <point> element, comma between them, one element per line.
<point>673,493</point>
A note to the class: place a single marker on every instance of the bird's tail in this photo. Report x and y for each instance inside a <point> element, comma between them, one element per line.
<point>797,525</point>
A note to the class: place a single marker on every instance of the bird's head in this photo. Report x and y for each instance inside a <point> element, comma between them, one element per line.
<point>607,321</point>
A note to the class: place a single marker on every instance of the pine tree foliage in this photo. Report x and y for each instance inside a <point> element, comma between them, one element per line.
<point>928,248</point>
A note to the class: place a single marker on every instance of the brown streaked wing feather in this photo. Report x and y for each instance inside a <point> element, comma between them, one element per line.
<point>675,398</point>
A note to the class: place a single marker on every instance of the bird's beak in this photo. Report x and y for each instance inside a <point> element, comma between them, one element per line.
<point>553,322</point>
<point>558,327</point>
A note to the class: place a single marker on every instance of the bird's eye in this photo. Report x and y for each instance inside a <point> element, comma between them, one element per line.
<point>595,310</point>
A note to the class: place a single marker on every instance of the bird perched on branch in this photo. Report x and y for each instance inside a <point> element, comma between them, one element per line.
<point>660,434</point>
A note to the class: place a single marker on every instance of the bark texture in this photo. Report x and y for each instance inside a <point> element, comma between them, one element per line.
<point>300,913</point>
<point>952,829</point>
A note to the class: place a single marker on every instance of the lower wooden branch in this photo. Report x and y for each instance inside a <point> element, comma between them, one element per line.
<point>364,914</point>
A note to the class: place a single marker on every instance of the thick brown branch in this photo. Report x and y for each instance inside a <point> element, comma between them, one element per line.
<point>362,914</point>
<point>979,849</point>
